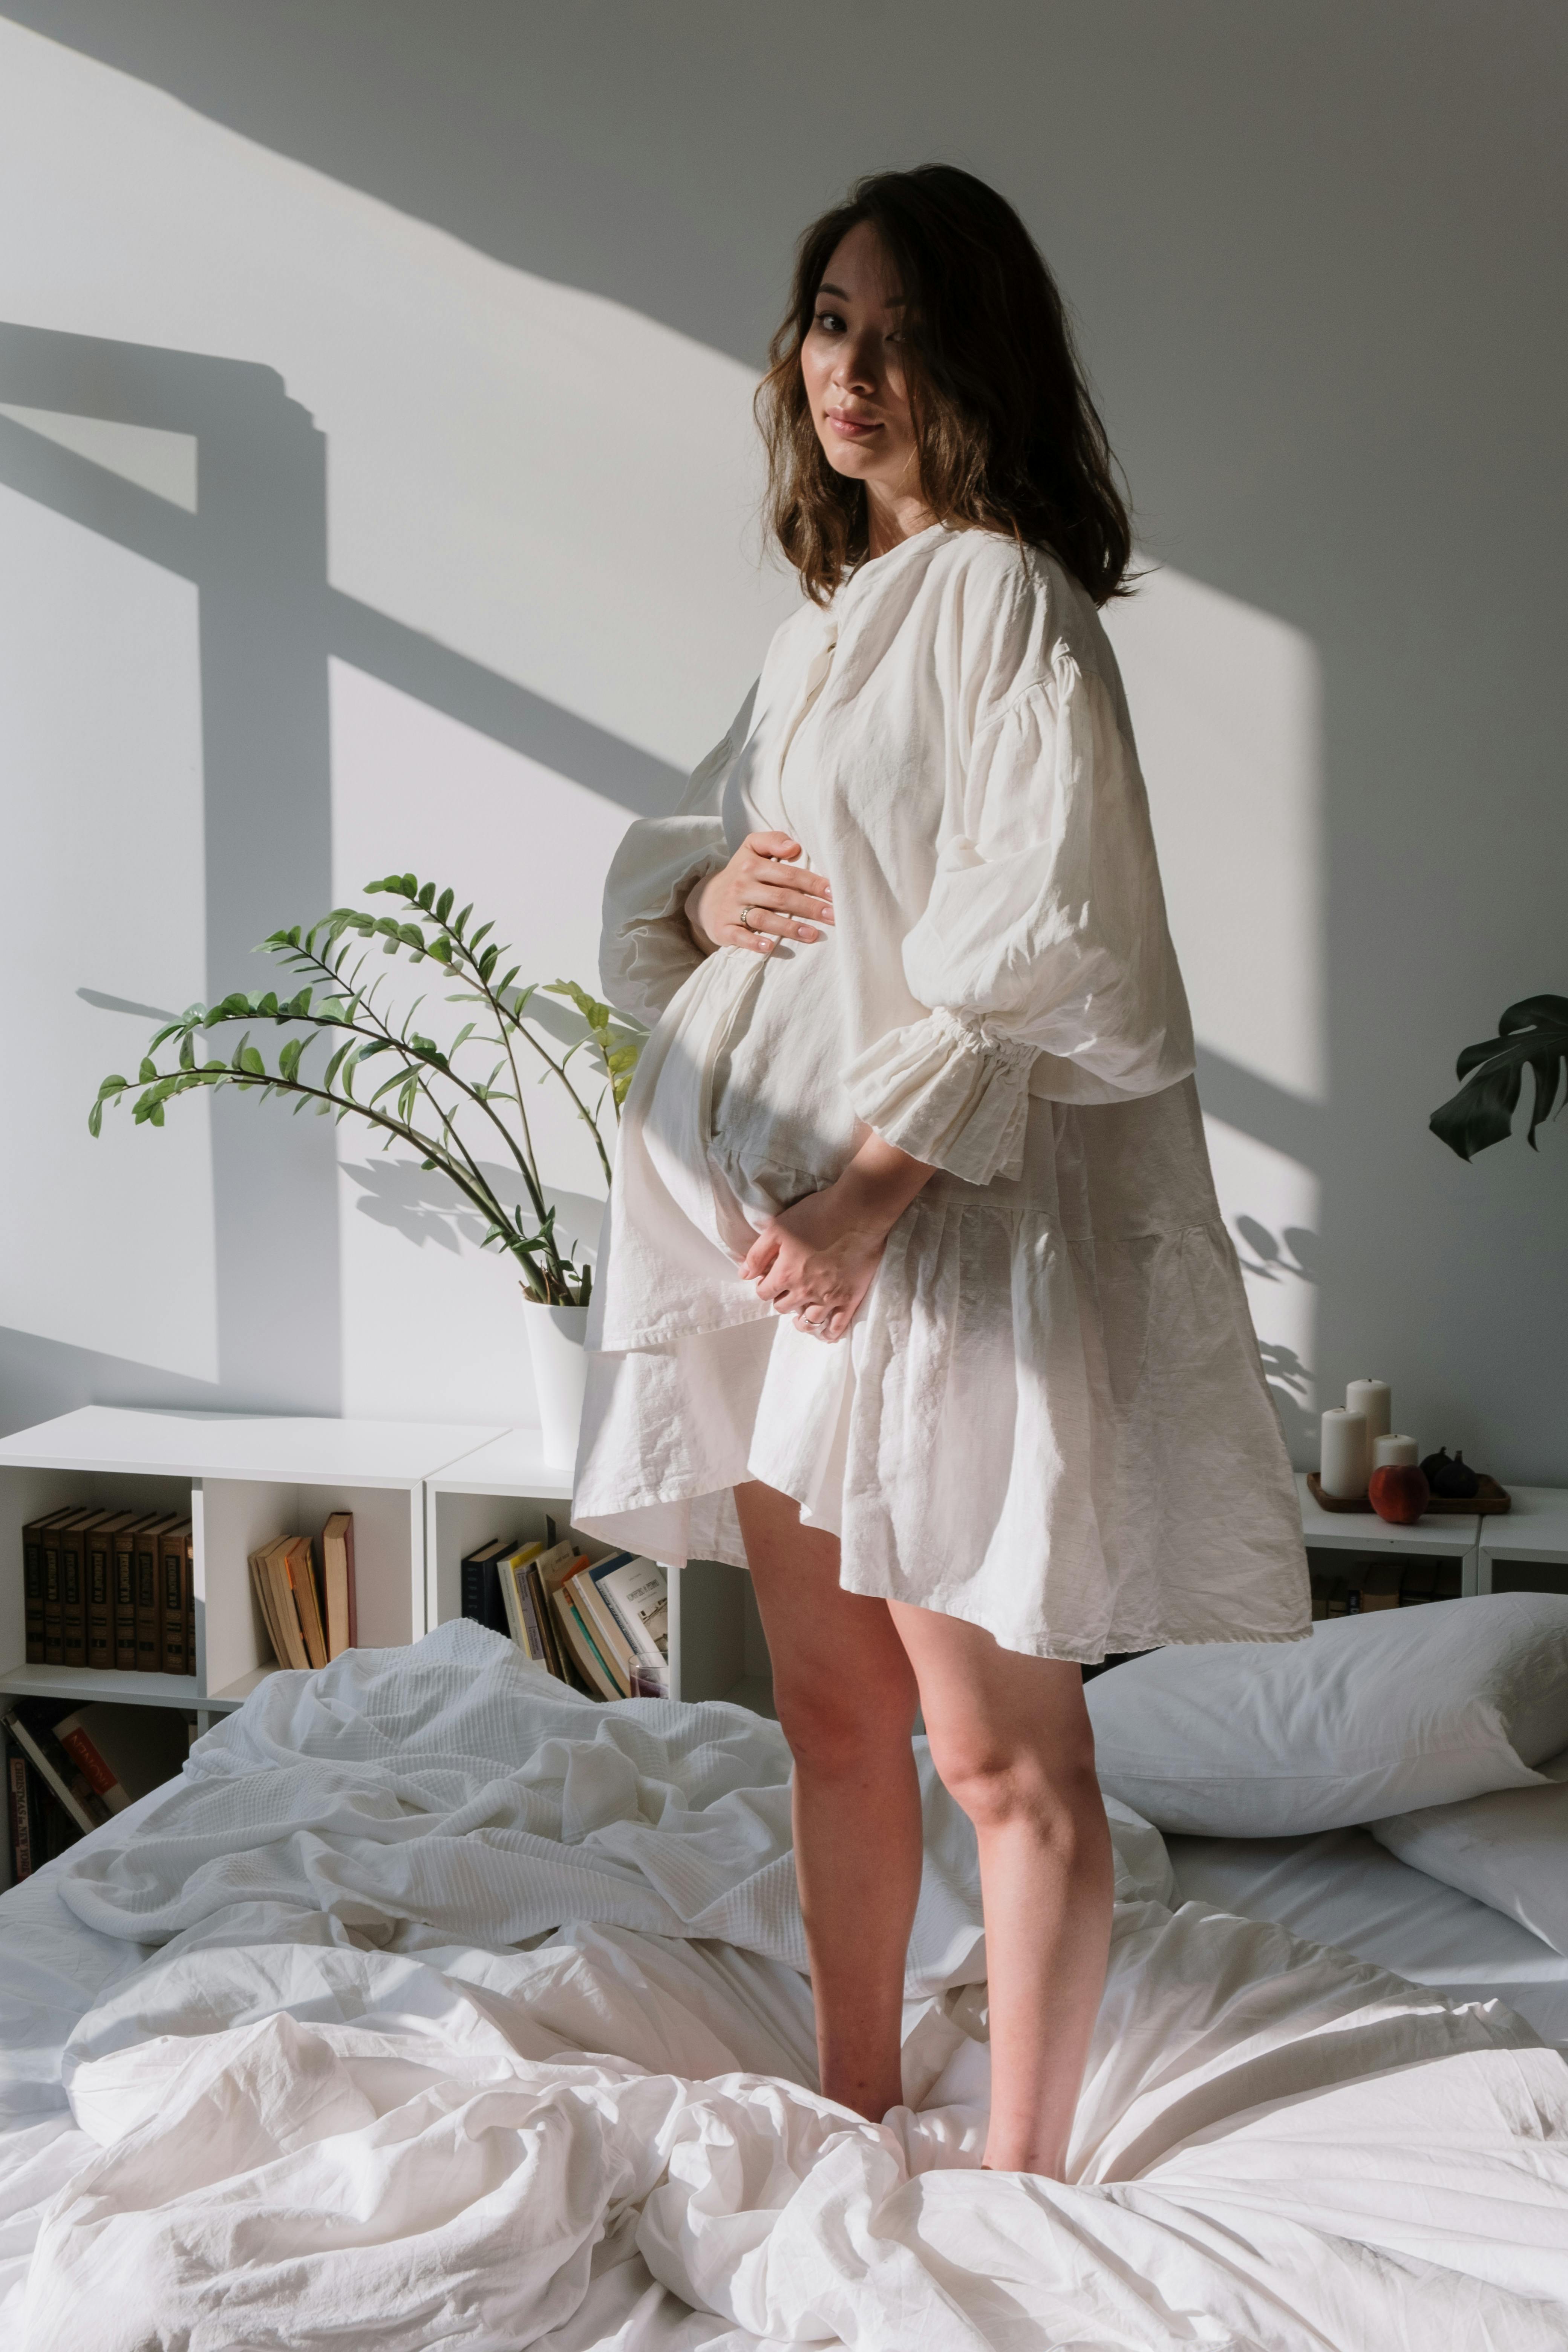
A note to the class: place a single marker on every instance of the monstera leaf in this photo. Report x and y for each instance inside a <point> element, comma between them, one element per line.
<point>1533,1035</point>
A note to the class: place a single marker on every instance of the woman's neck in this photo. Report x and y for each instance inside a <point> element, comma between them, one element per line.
<point>892,517</point>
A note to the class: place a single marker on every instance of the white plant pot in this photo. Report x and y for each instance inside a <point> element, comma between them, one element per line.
<point>555,1336</point>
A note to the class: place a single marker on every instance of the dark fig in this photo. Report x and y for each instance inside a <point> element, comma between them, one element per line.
<point>1453,1480</point>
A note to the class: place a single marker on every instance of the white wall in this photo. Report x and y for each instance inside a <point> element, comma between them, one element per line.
<point>462,309</point>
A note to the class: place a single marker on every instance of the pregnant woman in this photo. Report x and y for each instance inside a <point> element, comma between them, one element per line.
<point>917,1300</point>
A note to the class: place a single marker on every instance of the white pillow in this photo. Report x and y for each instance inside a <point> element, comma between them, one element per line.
<point>1375,1715</point>
<point>1509,1849</point>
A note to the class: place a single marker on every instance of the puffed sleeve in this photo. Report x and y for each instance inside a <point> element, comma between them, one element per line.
<point>1044,952</point>
<point>646,951</point>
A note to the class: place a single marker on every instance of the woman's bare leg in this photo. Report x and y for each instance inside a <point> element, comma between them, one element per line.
<point>846,1698</point>
<point>1011,1739</point>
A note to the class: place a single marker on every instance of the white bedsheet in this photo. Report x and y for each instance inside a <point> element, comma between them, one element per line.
<point>1342,1888</point>
<point>339,2106</point>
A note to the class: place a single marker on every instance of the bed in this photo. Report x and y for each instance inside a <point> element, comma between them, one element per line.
<point>300,2052</point>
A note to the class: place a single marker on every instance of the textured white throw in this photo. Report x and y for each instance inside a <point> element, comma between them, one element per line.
<point>333,2110</point>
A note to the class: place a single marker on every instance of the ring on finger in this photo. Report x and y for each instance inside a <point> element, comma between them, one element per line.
<point>745,918</point>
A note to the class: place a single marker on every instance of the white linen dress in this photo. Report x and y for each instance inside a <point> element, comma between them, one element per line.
<point>1049,1417</point>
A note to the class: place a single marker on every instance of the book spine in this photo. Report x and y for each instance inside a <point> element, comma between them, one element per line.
<point>191,1603</point>
<point>73,1600</point>
<point>100,1578</point>
<point>94,1770</point>
<point>634,1628</point>
<point>54,1643</point>
<point>535,1645</point>
<point>172,1572</point>
<point>551,1649</point>
<point>608,1639</point>
<point>33,1592</point>
<point>19,1812</point>
<point>78,1799</point>
<point>596,1677</point>
<point>494,1613</point>
<point>125,1603</point>
<point>516,1630</point>
<point>149,1617</point>
<point>472,1590</point>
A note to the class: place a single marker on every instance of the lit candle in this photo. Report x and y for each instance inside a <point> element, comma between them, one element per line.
<point>1388,1451</point>
<point>1374,1400</point>
<point>1344,1460</point>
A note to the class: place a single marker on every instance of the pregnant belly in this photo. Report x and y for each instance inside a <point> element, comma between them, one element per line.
<point>780,1122</point>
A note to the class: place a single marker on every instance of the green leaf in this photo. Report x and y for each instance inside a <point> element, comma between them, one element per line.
<point>248,1059</point>
<point>479,935</point>
<point>462,919</point>
<point>289,1056</point>
<point>411,936</point>
<point>426,897</point>
<point>147,1072</point>
<point>443,905</point>
<point>488,960</point>
<point>1533,1035</point>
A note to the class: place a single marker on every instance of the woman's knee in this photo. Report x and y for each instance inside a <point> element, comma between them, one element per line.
<point>835,1729</point>
<point>998,1782</point>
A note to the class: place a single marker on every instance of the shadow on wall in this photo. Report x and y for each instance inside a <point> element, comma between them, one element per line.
<point>98,432</point>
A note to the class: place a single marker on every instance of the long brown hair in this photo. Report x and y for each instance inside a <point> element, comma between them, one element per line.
<point>1008,436</point>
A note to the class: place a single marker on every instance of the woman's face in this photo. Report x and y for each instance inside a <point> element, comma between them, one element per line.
<point>853,368</point>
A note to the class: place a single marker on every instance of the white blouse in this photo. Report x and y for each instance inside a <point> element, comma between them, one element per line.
<point>950,744</point>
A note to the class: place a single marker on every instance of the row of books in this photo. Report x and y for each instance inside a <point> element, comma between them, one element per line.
<point>308,1606</point>
<point>1385,1584</point>
<point>601,1626</point>
<point>68,1769</point>
<point>109,1590</point>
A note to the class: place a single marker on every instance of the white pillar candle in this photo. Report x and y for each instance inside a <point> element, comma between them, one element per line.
<point>1344,1461</point>
<point>1374,1400</point>
<point>1387,1452</point>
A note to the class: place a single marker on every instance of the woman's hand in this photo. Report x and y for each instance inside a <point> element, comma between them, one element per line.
<point>783,899</point>
<point>816,1260</point>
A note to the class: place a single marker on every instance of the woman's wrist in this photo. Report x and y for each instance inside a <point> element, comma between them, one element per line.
<point>702,941</point>
<point>878,1184</point>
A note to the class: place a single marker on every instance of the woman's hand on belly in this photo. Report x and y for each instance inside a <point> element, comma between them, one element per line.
<point>759,897</point>
<point>816,1260</point>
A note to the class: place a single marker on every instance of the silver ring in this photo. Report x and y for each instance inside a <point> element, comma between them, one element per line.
<point>746,917</point>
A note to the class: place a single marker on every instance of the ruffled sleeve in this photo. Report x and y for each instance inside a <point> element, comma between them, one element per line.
<point>646,951</point>
<point>1044,952</point>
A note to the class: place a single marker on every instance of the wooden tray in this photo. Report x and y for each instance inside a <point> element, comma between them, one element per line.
<point>1488,1500</point>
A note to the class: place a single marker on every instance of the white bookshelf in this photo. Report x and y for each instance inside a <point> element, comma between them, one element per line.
<point>1526,1549</point>
<point>241,1479</point>
<point>510,1487</point>
<point>1448,1537</point>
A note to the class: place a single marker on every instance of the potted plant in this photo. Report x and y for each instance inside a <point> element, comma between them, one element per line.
<point>1534,1033</point>
<point>441,1098</point>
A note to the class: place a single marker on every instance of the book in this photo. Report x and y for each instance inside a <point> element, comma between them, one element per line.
<point>637,1590</point>
<point>282,1630</point>
<point>190,1600</point>
<point>33,1733</point>
<point>124,1591</point>
<point>98,1573</point>
<point>123,1752</point>
<point>54,1629</point>
<point>299,1567</point>
<point>19,1813</point>
<point>579,1645</point>
<point>72,1541</point>
<point>338,1583</point>
<point>173,1569</point>
<point>539,1602</point>
<point>544,1575</point>
<point>473,1593</point>
<point>600,1619</point>
<point>147,1594</point>
<point>512,1571</point>
<point>33,1579</point>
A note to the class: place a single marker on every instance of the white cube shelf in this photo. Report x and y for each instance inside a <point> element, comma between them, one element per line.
<point>1526,1549</point>
<point>1448,1536</point>
<point>510,1487</point>
<point>241,1479</point>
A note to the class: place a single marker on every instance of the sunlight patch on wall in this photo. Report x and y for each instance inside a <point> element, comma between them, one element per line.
<point>426,1314</point>
<point>1226,702</point>
<point>550,483</point>
<point>108,1245</point>
<point>163,463</point>
<point>1271,1209</point>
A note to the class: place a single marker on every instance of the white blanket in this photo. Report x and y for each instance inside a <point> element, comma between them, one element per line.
<point>339,2106</point>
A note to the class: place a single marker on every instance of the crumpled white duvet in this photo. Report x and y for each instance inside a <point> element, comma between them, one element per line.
<point>475,2021</point>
